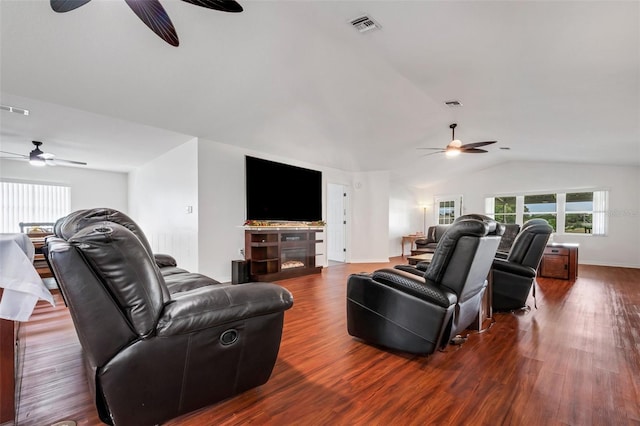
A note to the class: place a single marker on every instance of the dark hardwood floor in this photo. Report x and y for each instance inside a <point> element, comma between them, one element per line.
<point>573,361</point>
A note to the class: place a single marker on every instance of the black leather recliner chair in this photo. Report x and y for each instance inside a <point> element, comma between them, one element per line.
<point>514,276</point>
<point>495,228</point>
<point>419,314</point>
<point>511,230</point>
<point>153,353</point>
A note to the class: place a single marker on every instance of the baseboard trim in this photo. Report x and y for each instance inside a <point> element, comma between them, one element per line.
<point>613,265</point>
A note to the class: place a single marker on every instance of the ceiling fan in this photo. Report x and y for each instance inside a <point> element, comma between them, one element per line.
<point>153,14</point>
<point>38,158</point>
<point>456,147</point>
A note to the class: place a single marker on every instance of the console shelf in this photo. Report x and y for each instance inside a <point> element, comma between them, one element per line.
<point>276,254</point>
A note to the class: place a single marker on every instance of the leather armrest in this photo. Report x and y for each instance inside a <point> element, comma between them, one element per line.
<point>164,260</point>
<point>502,255</point>
<point>423,266</point>
<point>513,268</point>
<point>411,269</point>
<point>415,285</point>
<point>210,306</point>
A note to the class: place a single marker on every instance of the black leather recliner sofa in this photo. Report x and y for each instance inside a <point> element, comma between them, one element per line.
<point>429,243</point>
<point>159,341</point>
<point>419,314</point>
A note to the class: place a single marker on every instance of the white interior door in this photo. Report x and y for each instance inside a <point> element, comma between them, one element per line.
<point>336,222</point>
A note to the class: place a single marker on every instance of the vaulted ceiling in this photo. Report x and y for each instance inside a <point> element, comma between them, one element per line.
<point>552,81</point>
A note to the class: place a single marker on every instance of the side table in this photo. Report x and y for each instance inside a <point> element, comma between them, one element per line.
<point>411,239</point>
<point>560,261</point>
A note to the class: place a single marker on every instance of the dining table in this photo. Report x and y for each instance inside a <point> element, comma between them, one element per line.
<point>21,285</point>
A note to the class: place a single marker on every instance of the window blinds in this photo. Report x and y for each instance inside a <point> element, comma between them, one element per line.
<point>27,202</point>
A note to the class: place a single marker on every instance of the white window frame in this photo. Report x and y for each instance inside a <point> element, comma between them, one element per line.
<point>457,207</point>
<point>490,206</point>
<point>548,212</point>
<point>599,212</point>
<point>600,209</point>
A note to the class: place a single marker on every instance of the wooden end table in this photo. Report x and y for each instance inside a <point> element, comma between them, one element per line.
<point>411,239</point>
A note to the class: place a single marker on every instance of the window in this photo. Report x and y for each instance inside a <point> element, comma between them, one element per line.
<point>504,209</point>
<point>27,202</point>
<point>578,217</point>
<point>567,212</point>
<point>585,213</point>
<point>447,209</point>
<point>541,207</point>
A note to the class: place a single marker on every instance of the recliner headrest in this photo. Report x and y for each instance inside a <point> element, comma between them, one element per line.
<point>119,259</point>
<point>78,220</point>
<point>447,245</point>
<point>529,244</point>
<point>495,227</point>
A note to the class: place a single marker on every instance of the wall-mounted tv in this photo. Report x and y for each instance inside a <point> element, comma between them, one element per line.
<point>281,192</point>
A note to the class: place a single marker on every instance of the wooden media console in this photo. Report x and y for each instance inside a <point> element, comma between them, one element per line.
<point>280,252</point>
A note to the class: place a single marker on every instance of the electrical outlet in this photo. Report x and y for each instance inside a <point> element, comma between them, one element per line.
<point>241,252</point>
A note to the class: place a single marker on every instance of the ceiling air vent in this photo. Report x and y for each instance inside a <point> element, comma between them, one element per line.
<point>453,104</point>
<point>365,23</point>
<point>14,109</point>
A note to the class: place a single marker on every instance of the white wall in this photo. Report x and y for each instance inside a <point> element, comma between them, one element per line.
<point>370,217</point>
<point>89,188</point>
<point>159,194</point>
<point>406,216</point>
<point>621,247</point>
<point>222,208</point>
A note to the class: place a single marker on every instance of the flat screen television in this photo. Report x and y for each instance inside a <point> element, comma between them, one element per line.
<point>281,192</point>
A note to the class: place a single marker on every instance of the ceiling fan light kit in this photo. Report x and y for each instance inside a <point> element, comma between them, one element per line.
<point>35,156</point>
<point>38,158</point>
<point>456,147</point>
<point>452,152</point>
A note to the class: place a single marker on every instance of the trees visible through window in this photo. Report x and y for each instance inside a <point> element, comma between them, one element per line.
<point>446,212</point>
<point>447,209</point>
<point>578,218</point>
<point>505,209</point>
<point>543,206</point>
<point>582,212</point>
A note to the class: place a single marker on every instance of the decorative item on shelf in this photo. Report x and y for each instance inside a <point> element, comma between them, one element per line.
<point>282,224</point>
<point>39,231</point>
<point>256,223</point>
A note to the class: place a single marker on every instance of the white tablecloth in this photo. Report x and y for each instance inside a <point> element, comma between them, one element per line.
<point>22,284</point>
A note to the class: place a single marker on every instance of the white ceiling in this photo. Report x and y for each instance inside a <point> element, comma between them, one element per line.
<point>553,81</point>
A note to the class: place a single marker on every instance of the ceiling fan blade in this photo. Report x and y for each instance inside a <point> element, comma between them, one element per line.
<point>433,153</point>
<point>62,6</point>
<point>16,154</point>
<point>477,144</point>
<point>223,5</point>
<point>156,18</point>
<point>473,151</point>
<point>439,149</point>
<point>61,161</point>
